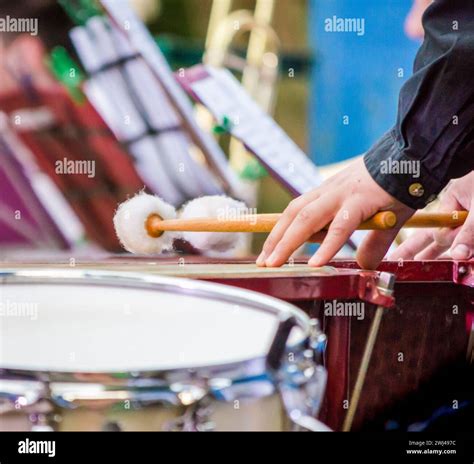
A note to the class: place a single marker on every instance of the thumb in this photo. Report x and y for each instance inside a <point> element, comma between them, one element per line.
<point>375,246</point>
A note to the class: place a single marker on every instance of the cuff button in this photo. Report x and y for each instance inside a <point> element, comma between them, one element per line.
<point>416,190</point>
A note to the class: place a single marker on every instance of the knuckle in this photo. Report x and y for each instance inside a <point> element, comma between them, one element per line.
<point>304,215</point>
<point>337,230</point>
<point>361,208</point>
<point>293,207</point>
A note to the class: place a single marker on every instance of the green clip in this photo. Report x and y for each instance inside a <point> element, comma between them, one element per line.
<point>225,127</point>
<point>67,71</point>
<point>80,11</point>
<point>253,171</point>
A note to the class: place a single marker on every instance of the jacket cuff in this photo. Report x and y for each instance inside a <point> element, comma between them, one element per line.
<point>400,175</point>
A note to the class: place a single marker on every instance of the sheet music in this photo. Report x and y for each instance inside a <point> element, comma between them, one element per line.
<point>142,41</point>
<point>172,142</point>
<point>223,95</point>
<point>131,101</point>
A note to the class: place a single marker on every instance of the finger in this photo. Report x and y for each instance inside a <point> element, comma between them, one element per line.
<point>463,246</point>
<point>346,221</point>
<point>311,219</point>
<point>286,219</point>
<point>443,238</point>
<point>375,246</point>
<point>433,251</point>
<point>413,245</point>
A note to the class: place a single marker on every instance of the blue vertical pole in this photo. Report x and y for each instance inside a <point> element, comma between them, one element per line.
<point>362,58</point>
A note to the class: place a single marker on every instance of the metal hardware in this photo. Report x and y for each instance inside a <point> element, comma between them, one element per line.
<point>299,377</point>
<point>197,414</point>
<point>386,285</point>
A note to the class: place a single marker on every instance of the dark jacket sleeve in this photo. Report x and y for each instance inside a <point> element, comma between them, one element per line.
<point>432,141</point>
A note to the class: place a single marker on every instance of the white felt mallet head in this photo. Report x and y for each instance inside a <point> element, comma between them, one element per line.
<point>217,207</point>
<point>130,225</point>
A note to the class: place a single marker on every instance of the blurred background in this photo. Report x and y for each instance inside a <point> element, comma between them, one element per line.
<point>333,92</point>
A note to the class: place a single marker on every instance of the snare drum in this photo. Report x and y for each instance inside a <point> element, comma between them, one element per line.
<point>96,350</point>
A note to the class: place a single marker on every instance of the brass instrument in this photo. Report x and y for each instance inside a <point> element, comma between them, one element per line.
<point>260,67</point>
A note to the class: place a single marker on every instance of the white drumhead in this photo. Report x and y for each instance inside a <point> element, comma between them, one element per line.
<point>88,328</point>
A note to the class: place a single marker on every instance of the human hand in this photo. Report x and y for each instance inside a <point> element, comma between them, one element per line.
<point>432,243</point>
<point>413,23</point>
<point>347,199</point>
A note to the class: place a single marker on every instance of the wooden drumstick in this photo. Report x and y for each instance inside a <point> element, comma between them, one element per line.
<point>433,220</point>
<point>264,223</point>
<point>257,223</point>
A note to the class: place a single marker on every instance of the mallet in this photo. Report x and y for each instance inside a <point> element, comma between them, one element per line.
<point>146,224</point>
